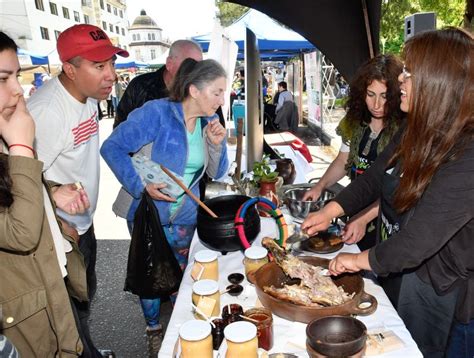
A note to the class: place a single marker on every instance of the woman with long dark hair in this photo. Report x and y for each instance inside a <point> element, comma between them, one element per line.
<point>36,312</point>
<point>425,179</point>
<point>373,116</point>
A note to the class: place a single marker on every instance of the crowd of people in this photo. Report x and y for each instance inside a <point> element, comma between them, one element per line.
<point>408,147</point>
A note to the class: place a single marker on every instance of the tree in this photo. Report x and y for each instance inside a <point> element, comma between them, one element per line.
<point>448,13</point>
<point>229,13</point>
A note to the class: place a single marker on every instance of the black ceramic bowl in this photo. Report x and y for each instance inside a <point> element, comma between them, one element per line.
<point>219,233</point>
<point>336,336</point>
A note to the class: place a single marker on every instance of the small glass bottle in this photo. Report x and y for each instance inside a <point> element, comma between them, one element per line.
<point>241,340</point>
<point>255,257</point>
<point>206,292</point>
<point>205,265</point>
<point>195,339</point>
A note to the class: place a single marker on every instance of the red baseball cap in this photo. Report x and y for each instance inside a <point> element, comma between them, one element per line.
<point>87,41</point>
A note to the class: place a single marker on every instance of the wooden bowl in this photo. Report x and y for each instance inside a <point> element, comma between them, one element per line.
<point>271,274</point>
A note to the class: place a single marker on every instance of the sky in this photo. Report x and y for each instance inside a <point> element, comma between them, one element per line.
<point>177,18</point>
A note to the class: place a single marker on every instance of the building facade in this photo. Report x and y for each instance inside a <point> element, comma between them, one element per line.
<point>146,39</point>
<point>36,24</point>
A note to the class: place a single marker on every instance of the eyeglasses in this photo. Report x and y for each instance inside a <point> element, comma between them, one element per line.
<point>405,73</point>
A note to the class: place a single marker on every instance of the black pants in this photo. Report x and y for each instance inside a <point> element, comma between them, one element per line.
<point>88,248</point>
<point>110,108</point>
<point>427,315</point>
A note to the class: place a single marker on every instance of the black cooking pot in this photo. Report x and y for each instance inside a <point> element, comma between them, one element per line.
<point>219,233</point>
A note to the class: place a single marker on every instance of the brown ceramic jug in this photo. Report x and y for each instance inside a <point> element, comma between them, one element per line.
<point>286,169</point>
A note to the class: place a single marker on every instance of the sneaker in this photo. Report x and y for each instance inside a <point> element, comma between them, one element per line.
<point>106,353</point>
<point>154,339</point>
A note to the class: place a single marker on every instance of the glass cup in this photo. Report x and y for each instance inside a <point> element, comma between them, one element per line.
<point>205,266</point>
<point>241,340</point>
<point>255,257</point>
<point>195,339</point>
<point>206,297</point>
<point>264,324</point>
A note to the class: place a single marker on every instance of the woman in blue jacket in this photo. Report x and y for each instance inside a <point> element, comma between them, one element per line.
<point>186,138</point>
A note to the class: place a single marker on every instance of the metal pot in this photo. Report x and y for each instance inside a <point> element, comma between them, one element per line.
<point>271,274</point>
<point>299,208</point>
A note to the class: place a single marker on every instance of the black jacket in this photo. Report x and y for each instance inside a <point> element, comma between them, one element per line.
<point>437,234</point>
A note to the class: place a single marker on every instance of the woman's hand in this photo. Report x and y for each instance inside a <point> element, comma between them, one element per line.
<point>313,194</point>
<point>215,132</point>
<point>354,231</point>
<point>320,220</point>
<point>19,128</point>
<point>71,199</point>
<point>349,263</point>
<point>154,189</point>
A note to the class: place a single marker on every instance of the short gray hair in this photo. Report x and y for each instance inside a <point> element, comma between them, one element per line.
<point>197,73</point>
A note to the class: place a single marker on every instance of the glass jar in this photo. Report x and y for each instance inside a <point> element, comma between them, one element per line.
<point>264,324</point>
<point>255,257</point>
<point>241,340</point>
<point>205,266</point>
<point>206,297</point>
<point>232,313</point>
<point>195,339</point>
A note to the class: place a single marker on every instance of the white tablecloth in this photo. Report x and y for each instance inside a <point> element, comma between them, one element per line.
<point>289,336</point>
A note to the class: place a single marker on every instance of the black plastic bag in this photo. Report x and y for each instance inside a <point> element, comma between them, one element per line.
<point>152,268</point>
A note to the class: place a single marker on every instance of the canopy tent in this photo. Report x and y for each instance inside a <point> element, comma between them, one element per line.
<point>346,31</point>
<point>274,41</point>
<point>30,60</point>
<point>129,62</point>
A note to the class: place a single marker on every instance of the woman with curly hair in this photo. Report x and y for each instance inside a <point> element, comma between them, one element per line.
<point>425,181</point>
<point>373,116</point>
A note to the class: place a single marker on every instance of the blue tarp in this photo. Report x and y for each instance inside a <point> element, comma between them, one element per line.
<point>27,58</point>
<point>274,40</point>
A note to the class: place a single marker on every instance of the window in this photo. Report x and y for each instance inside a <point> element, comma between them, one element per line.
<point>153,54</point>
<point>65,12</point>
<point>123,32</point>
<point>57,33</point>
<point>111,28</point>
<point>77,18</point>
<point>117,30</point>
<point>44,33</point>
<point>53,8</point>
<point>86,19</point>
<point>109,9</point>
<point>137,54</point>
<point>39,5</point>
<point>102,4</point>
<point>115,11</point>
<point>151,37</point>
<point>104,25</point>
<point>121,13</point>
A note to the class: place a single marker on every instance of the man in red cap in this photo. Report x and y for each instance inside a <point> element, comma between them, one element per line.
<point>67,130</point>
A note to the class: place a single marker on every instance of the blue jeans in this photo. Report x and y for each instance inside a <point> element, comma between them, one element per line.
<point>179,237</point>
<point>461,344</point>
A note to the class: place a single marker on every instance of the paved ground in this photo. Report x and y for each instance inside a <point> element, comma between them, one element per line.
<point>117,322</point>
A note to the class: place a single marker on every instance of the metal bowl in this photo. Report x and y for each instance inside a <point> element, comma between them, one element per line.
<point>300,209</point>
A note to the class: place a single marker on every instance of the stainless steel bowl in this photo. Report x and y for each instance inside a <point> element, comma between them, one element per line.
<point>300,209</point>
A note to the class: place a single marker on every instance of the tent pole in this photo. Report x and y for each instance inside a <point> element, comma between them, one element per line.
<point>367,28</point>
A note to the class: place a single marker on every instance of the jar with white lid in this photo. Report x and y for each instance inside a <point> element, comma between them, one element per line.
<point>195,339</point>
<point>255,257</point>
<point>206,297</point>
<point>241,338</point>
<point>205,266</point>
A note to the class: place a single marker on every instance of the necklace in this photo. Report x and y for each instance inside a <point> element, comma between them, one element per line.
<point>372,137</point>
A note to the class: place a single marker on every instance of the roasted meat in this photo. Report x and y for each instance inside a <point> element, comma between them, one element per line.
<point>315,288</point>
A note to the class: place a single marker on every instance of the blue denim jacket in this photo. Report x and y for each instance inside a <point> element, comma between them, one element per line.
<point>160,122</point>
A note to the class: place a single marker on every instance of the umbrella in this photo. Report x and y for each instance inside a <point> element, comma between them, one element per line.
<point>129,62</point>
<point>338,28</point>
<point>29,59</point>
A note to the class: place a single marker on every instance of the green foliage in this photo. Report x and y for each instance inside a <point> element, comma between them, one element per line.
<point>262,172</point>
<point>229,13</point>
<point>448,13</point>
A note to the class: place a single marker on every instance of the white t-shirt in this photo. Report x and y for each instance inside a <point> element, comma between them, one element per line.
<point>67,141</point>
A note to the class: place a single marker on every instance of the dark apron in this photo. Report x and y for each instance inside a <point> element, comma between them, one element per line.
<point>389,223</point>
